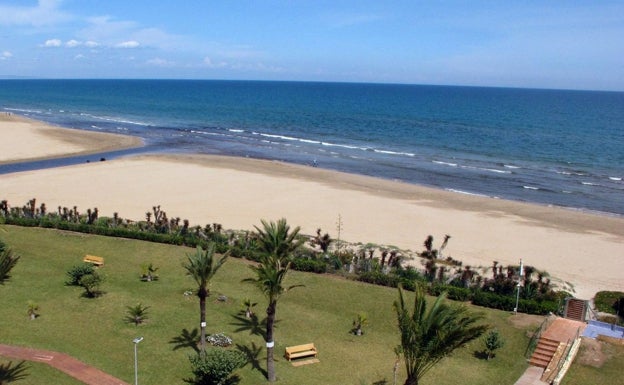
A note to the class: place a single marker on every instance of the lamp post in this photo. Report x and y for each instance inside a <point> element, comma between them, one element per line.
<point>136,363</point>
<point>518,293</point>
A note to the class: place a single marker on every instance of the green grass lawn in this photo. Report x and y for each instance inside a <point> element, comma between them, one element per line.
<point>322,312</point>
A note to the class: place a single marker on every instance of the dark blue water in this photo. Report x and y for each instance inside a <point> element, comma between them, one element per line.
<point>563,148</point>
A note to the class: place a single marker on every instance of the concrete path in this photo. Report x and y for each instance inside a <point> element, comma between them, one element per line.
<point>532,376</point>
<point>69,365</point>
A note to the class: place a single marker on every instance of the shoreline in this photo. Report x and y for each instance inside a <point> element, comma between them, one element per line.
<point>38,140</point>
<point>576,247</point>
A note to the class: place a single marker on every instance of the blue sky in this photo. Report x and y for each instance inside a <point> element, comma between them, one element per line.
<point>541,44</point>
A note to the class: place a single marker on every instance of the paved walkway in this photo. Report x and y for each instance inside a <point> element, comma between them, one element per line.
<point>77,369</point>
<point>532,376</point>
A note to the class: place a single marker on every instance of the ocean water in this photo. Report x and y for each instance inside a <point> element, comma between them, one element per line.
<point>553,147</point>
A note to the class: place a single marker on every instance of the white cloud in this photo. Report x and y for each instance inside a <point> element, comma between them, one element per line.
<point>46,12</point>
<point>209,63</point>
<point>79,56</point>
<point>73,43</point>
<point>91,44</point>
<point>6,55</point>
<point>128,44</point>
<point>52,43</point>
<point>158,62</point>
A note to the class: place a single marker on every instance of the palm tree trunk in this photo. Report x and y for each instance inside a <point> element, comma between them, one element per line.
<point>271,309</point>
<point>411,381</point>
<point>202,294</point>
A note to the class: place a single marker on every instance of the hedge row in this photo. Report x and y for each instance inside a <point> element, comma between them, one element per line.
<point>407,278</point>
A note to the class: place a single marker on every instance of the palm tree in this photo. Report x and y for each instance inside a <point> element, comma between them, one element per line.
<point>7,262</point>
<point>137,314</point>
<point>202,266</point>
<point>10,373</point>
<point>277,242</point>
<point>275,238</point>
<point>430,334</point>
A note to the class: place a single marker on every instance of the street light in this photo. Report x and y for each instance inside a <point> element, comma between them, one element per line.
<point>136,364</point>
<point>519,281</point>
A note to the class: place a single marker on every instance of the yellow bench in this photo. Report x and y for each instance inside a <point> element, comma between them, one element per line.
<point>97,261</point>
<point>299,351</point>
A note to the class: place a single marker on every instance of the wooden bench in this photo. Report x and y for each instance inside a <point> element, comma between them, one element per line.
<point>299,351</point>
<point>97,261</point>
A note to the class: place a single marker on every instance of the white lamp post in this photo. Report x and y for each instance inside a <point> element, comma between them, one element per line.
<point>136,363</point>
<point>519,281</point>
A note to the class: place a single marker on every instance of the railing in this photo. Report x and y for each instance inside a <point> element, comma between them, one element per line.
<point>566,358</point>
<point>536,337</point>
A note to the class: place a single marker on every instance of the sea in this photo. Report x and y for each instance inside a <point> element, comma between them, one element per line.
<point>550,147</point>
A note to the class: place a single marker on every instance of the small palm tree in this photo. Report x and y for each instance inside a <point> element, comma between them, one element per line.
<point>248,305</point>
<point>277,242</point>
<point>202,266</point>
<point>430,334</point>
<point>10,373</point>
<point>33,310</point>
<point>136,314</point>
<point>149,272</point>
<point>7,262</point>
<point>360,321</point>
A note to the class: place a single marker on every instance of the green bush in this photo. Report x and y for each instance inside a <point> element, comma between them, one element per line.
<point>77,272</point>
<point>508,303</point>
<point>376,277</point>
<point>216,366</point>
<point>611,302</point>
<point>309,265</point>
<point>453,292</point>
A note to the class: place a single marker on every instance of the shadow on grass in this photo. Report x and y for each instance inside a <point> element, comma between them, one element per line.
<point>187,339</point>
<point>252,324</point>
<point>482,355</point>
<point>252,353</point>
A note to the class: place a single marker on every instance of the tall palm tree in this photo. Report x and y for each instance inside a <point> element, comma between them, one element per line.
<point>430,334</point>
<point>202,266</point>
<point>275,238</point>
<point>277,242</point>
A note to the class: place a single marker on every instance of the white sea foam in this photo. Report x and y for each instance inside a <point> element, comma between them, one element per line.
<point>615,178</point>
<point>590,184</point>
<point>24,110</point>
<point>116,120</point>
<point>235,130</point>
<point>467,193</point>
<point>445,163</point>
<point>496,170</point>
<point>510,166</point>
<point>530,188</point>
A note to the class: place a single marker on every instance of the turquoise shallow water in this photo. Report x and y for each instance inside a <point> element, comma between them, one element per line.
<point>562,148</point>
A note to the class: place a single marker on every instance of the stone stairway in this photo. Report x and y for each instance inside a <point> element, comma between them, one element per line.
<point>576,309</point>
<point>544,352</point>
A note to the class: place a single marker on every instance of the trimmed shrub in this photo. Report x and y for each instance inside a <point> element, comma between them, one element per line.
<point>77,272</point>
<point>309,265</point>
<point>216,366</point>
<point>453,292</point>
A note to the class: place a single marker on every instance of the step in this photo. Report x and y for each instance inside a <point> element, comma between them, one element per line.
<point>539,363</point>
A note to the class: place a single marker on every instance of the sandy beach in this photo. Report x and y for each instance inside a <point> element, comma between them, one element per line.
<point>30,140</point>
<point>583,249</point>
